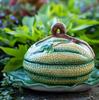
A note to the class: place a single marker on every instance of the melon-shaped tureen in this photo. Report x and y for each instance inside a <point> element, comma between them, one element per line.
<point>59,59</point>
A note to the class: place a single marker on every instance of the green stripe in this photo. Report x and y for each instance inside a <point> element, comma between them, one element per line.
<point>33,62</point>
<point>57,76</point>
<point>56,81</point>
<point>64,50</point>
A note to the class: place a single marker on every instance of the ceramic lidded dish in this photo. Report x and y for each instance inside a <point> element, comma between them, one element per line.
<point>59,60</point>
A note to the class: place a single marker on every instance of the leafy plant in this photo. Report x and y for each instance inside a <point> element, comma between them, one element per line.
<point>16,59</point>
<point>16,41</point>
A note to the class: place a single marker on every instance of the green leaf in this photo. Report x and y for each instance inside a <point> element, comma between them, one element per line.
<point>28,21</point>
<point>86,22</point>
<point>72,7</point>
<point>12,43</point>
<point>78,28</point>
<point>3,39</point>
<point>12,64</point>
<point>10,51</point>
<point>71,4</point>
<point>44,9</point>
<point>17,59</point>
<point>89,40</point>
<point>83,24</point>
<point>16,52</point>
<point>22,50</point>
<point>7,30</point>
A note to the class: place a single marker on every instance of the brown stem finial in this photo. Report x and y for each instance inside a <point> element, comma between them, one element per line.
<point>60,27</point>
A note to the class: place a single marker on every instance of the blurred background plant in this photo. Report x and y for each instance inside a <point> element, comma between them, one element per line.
<point>23,22</point>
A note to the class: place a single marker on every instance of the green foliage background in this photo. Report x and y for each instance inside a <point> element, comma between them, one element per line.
<point>80,22</point>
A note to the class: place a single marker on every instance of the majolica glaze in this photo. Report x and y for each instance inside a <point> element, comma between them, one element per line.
<point>59,59</point>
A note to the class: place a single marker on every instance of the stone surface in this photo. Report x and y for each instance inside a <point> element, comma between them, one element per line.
<point>27,94</point>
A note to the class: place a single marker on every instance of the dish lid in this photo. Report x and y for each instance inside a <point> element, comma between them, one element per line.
<point>59,42</point>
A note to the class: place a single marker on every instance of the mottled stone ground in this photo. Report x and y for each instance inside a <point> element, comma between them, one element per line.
<point>92,94</point>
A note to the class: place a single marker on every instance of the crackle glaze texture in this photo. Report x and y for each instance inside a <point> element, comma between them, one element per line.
<point>59,60</point>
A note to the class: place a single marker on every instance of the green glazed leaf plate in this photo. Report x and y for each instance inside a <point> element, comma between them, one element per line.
<point>19,77</point>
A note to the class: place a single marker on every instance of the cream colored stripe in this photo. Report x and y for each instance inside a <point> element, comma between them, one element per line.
<point>59,58</point>
<point>59,70</point>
